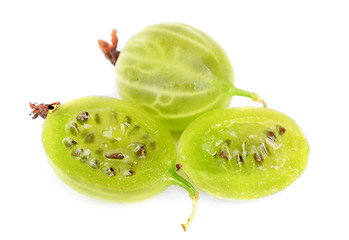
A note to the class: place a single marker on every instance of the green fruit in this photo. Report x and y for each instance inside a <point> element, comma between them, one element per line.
<point>109,149</point>
<point>243,153</point>
<point>175,72</point>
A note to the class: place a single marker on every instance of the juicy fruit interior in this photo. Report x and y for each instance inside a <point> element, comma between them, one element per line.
<point>243,152</point>
<point>109,142</point>
<point>105,148</point>
<point>175,72</point>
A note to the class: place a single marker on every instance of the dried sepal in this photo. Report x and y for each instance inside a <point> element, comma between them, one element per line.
<point>42,109</point>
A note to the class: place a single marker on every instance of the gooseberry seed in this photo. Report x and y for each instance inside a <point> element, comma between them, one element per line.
<point>114,155</point>
<point>82,117</point>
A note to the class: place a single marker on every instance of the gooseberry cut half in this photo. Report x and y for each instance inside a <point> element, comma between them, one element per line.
<point>243,152</point>
<point>107,148</point>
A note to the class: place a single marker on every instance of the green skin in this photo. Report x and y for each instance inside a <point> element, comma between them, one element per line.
<point>153,174</point>
<point>212,162</point>
<point>176,72</point>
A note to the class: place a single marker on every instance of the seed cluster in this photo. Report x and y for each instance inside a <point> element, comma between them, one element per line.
<point>260,150</point>
<point>114,148</point>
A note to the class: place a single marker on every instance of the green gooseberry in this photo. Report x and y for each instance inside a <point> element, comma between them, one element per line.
<point>175,72</point>
<point>243,152</point>
<point>109,149</point>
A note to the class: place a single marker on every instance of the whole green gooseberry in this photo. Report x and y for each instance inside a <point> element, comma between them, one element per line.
<point>175,72</point>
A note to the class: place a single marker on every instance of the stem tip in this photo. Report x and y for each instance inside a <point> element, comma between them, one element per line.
<point>195,205</point>
<point>257,98</point>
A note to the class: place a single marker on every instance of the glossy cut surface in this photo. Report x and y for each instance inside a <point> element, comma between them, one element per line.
<point>175,72</point>
<point>107,148</point>
<point>243,153</point>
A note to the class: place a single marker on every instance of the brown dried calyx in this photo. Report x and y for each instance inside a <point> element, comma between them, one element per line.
<point>42,109</point>
<point>110,51</point>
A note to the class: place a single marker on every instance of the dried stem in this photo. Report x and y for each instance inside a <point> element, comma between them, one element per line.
<point>110,51</point>
<point>257,98</point>
<point>194,195</point>
<point>195,205</point>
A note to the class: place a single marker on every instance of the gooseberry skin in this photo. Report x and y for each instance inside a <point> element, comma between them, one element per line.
<point>151,178</point>
<point>225,176</point>
<point>175,72</point>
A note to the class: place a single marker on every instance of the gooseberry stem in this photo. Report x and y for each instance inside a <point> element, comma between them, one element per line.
<point>243,93</point>
<point>194,195</point>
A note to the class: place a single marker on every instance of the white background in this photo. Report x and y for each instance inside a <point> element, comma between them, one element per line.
<point>294,54</point>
